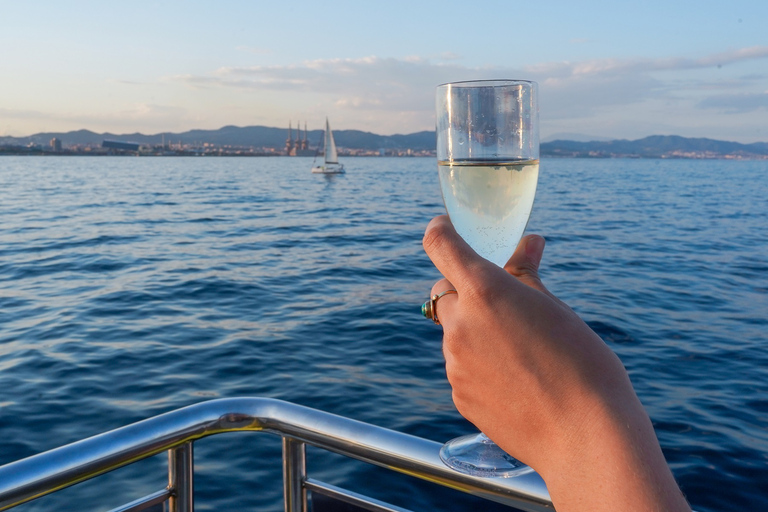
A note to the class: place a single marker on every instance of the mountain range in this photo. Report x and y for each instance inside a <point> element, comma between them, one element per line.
<point>656,146</point>
<point>247,136</point>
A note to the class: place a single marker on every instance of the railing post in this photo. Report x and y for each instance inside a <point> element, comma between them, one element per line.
<point>294,475</point>
<point>180,478</point>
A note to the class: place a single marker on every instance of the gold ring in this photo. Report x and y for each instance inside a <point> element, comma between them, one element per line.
<point>429,308</point>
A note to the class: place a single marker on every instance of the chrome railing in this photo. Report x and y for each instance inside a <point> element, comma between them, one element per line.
<point>176,432</point>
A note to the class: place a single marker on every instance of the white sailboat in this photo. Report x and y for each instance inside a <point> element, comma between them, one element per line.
<point>331,165</point>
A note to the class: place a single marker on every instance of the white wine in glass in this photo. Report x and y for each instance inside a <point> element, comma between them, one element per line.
<point>488,165</point>
<point>489,202</point>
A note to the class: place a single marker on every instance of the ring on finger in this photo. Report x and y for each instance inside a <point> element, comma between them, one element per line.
<point>429,308</point>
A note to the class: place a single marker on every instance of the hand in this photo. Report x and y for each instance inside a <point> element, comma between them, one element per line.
<point>530,374</point>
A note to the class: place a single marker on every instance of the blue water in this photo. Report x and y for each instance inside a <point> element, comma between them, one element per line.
<point>133,286</point>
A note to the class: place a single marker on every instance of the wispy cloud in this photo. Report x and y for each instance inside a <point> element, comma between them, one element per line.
<point>370,82</point>
<point>736,103</point>
<point>10,113</point>
<point>732,56</point>
<point>449,56</point>
<point>395,90</point>
<point>152,111</point>
<point>640,65</point>
<point>386,76</point>
<point>254,50</point>
<point>139,116</point>
<point>389,95</point>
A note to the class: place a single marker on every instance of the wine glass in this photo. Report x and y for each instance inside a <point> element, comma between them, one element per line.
<point>488,164</point>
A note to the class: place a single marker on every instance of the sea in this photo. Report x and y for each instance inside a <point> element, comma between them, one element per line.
<point>132,286</point>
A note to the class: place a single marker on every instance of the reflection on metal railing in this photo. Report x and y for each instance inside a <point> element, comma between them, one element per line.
<point>176,431</point>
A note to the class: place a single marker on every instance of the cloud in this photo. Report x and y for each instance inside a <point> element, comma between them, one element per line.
<point>736,103</point>
<point>137,116</point>
<point>195,81</point>
<point>733,56</point>
<point>369,82</point>
<point>612,67</point>
<point>122,81</point>
<point>9,113</point>
<point>396,94</point>
<point>152,111</point>
<point>254,50</point>
<point>449,56</point>
<point>389,95</point>
<point>754,76</point>
<point>376,82</point>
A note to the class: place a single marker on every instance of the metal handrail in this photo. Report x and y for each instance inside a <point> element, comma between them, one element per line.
<point>176,431</point>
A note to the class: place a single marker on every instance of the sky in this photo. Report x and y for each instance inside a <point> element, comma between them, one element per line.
<point>606,69</point>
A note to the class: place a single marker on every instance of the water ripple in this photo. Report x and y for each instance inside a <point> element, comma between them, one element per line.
<point>129,287</point>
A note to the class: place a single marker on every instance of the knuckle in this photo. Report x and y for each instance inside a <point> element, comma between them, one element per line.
<point>482,292</point>
<point>480,288</point>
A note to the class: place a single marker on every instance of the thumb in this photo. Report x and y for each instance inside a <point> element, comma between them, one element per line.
<point>452,256</point>
<point>524,263</point>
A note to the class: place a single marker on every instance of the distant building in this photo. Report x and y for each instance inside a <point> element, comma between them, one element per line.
<point>125,146</point>
<point>56,145</point>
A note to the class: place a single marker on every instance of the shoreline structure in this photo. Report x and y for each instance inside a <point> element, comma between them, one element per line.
<point>265,141</point>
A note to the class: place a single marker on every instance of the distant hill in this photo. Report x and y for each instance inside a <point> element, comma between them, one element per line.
<point>578,137</point>
<point>247,136</point>
<point>656,146</point>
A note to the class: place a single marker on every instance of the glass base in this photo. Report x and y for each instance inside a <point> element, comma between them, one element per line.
<point>477,455</point>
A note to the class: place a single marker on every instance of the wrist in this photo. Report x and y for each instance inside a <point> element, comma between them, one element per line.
<point>613,461</point>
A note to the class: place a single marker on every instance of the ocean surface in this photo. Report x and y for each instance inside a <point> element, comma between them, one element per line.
<point>133,286</point>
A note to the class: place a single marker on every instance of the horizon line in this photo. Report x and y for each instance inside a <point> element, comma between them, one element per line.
<point>596,139</point>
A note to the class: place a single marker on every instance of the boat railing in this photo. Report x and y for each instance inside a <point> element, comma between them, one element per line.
<point>299,426</point>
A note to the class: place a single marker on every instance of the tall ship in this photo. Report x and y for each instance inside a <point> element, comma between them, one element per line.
<point>300,146</point>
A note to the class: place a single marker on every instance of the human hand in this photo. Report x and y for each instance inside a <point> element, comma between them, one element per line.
<point>530,374</point>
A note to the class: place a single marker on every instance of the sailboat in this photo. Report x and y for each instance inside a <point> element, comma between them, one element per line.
<point>331,165</point>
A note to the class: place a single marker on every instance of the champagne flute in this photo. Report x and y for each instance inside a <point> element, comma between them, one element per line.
<point>488,164</point>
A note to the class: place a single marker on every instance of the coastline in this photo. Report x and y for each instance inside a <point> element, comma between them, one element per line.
<point>581,156</point>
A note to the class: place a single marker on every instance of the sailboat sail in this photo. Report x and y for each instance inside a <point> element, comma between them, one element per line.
<point>331,165</point>
<point>331,157</point>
